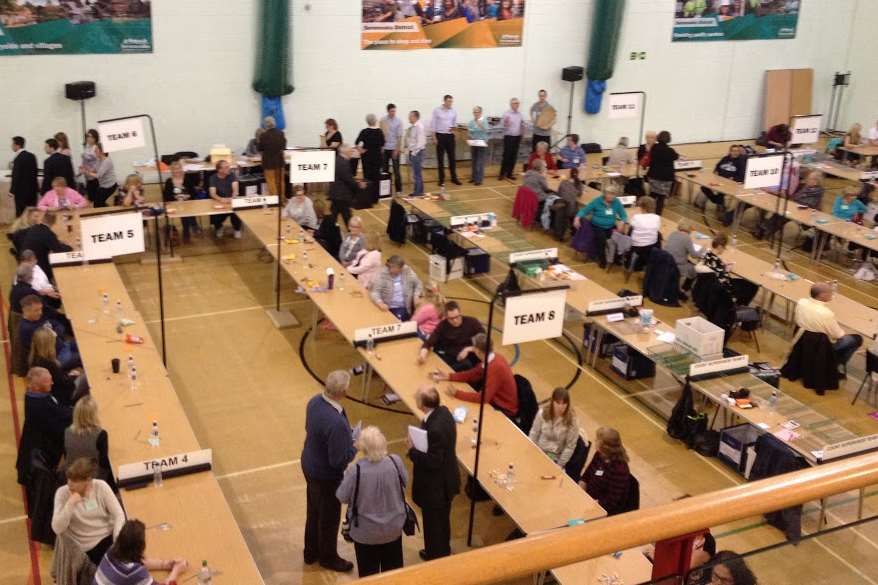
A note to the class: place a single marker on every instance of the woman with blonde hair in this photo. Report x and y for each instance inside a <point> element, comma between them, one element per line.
<point>374,490</point>
<point>28,218</point>
<point>63,144</point>
<point>429,310</point>
<point>85,438</point>
<point>131,192</point>
<point>607,478</point>
<point>43,354</point>
<point>555,429</point>
<point>353,241</point>
<point>367,265</point>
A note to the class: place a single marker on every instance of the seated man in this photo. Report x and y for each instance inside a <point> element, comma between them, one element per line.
<point>396,288</point>
<point>813,315</point>
<point>45,420</point>
<point>40,281</point>
<point>500,389</point>
<point>32,318</point>
<point>23,287</point>
<point>572,155</point>
<point>451,339</point>
<point>732,166</point>
<point>222,187</point>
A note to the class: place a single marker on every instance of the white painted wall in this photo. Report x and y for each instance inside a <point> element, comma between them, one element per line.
<point>197,82</point>
<point>860,103</point>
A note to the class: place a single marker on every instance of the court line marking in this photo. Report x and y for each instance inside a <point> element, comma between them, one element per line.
<point>224,312</point>
<point>843,561</point>
<point>14,519</point>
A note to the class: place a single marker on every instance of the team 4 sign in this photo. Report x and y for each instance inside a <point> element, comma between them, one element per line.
<point>111,235</point>
<point>532,317</point>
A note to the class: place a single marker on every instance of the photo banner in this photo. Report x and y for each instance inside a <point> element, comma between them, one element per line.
<point>69,27</point>
<point>441,24</point>
<point>735,20</point>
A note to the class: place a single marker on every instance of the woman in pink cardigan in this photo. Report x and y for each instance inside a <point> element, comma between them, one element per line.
<point>62,197</point>
<point>367,264</point>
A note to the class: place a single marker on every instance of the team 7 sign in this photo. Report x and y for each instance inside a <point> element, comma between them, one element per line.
<point>312,166</point>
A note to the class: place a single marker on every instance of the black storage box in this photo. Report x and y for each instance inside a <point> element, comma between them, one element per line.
<point>477,262</point>
<point>630,363</point>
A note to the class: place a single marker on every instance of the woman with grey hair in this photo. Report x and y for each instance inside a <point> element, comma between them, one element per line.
<point>621,155</point>
<point>374,490</point>
<point>370,143</point>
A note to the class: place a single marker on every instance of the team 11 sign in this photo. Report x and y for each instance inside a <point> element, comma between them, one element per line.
<point>531,317</point>
<point>625,105</point>
<point>111,235</point>
<point>312,166</point>
<point>764,172</point>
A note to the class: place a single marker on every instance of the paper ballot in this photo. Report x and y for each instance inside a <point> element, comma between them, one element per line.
<point>477,143</point>
<point>418,437</point>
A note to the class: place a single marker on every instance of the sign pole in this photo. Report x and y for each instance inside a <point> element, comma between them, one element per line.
<point>280,199</point>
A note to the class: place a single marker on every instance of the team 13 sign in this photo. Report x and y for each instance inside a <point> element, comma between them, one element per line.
<point>531,317</point>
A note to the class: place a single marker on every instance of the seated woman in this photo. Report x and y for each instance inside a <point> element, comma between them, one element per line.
<point>729,568</point>
<point>131,193</point>
<point>87,511</point>
<point>848,207</point>
<point>61,197</point>
<point>43,354</point>
<point>428,313</point>
<point>535,179</point>
<point>607,478</point>
<point>809,193</point>
<point>124,563</point>
<point>300,209</point>
<point>605,213</point>
<point>28,218</point>
<point>181,187</point>
<point>555,429</point>
<point>367,264</point>
<point>645,227</point>
<point>742,291</point>
<point>85,438</point>
<point>853,138</point>
<point>680,246</point>
<point>542,153</point>
<point>621,156</point>
<point>353,242</point>
<point>253,145</point>
<point>569,192</point>
<point>327,235</point>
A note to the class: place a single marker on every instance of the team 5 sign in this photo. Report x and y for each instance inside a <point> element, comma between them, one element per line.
<point>111,235</point>
<point>763,172</point>
<point>534,316</point>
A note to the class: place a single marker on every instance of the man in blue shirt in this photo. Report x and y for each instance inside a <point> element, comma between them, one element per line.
<point>391,125</point>
<point>329,448</point>
<point>572,155</point>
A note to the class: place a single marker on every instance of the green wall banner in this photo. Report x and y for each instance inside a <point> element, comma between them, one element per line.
<point>46,27</point>
<point>735,20</point>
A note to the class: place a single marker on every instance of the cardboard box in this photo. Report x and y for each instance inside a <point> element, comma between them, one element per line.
<point>700,336</point>
<point>442,269</point>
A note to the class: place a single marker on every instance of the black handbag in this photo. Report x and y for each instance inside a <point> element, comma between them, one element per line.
<point>351,517</point>
<point>410,526</point>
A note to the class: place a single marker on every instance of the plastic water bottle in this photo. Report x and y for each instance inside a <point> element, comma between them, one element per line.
<point>370,345</point>
<point>120,312</point>
<point>734,240</point>
<point>777,269</point>
<point>130,362</point>
<point>205,575</point>
<point>773,400</point>
<point>834,285</point>
<point>510,477</point>
<point>154,439</point>
<point>288,230</point>
<point>133,375</point>
<point>157,479</point>
<point>105,303</point>
<point>475,438</point>
<point>301,235</point>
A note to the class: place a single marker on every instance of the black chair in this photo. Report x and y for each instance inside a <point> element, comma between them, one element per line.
<point>527,404</point>
<point>871,368</point>
<point>577,461</point>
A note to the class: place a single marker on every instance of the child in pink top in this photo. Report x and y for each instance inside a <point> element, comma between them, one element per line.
<point>428,314</point>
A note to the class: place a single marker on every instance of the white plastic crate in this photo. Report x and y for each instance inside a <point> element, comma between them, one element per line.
<point>700,336</point>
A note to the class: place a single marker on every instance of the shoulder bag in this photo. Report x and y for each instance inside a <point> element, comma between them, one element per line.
<point>411,520</point>
<point>351,514</point>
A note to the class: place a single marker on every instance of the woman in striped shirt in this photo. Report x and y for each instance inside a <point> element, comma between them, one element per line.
<point>124,563</point>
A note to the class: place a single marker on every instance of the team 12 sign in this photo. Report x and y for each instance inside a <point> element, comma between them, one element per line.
<point>534,316</point>
<point>763,172</point>
<point>312,166</point>
<point>121,134</point>
<point>625,105</point>
<point>111,235</point>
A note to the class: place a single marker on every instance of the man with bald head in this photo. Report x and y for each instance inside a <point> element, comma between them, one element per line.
<point>814,315</point>
<point>45,420</point>
<point>435,477</point>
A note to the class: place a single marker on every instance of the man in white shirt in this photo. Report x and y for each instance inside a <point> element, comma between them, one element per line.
<point>416,144</point>
<point>391,125</point>
<point>513,128</point>
<point>814,315</point>
<point>442,124</point>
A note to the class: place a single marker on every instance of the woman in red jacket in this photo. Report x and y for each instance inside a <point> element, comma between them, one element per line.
<point>607,478</point>
<point>542,153</point>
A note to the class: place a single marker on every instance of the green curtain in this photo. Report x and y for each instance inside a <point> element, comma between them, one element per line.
<point>607,23</point>
<point>274,60</point>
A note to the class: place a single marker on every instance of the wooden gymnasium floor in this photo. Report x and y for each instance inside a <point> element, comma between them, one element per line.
<point>244,385</point>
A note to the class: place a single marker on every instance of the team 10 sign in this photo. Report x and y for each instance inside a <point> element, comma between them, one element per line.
<point>531,317</point>
<point>625,105</point>
<point>312,166</point>
<point>111,235</point>
<point>763,172</point>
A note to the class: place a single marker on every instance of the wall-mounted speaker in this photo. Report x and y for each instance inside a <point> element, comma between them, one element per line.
<point>80,90</point>
<point>574,73</point>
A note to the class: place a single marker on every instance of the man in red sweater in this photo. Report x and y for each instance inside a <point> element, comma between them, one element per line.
<point>500,389</point>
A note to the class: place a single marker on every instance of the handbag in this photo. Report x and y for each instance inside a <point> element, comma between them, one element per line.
<point>351,517</point>
<point>410,526</point>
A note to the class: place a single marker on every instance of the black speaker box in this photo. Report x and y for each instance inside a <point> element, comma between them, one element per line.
<point>574,73</point>
<point>80,90</point>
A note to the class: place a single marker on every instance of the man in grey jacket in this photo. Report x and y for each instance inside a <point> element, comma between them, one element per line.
<point>396,288</point>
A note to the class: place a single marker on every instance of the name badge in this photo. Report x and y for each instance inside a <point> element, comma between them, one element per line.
<point>599,473</point>
<point>608,211</point>
<point>844,206</point>
<point>576,161</point>
<point>91,505</point>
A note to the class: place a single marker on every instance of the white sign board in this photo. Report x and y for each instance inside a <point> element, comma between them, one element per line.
<point>253,201</point>
<point>487,219</point>
<point>111,235</point>
<point>720,365</point>
<point>805,129</point>
<point>532,317</point>
<point>625,105</point>
<point>869,175</point>
<point>383,331</point>
<point>122,134</point>
<point>763,172</point>
<point>62,258</point>
<point>531,255</point>
<point>687,165</point>
<point>167,463</point>
<point>312,166</point>
<point>614,303</point>
<point>856,445</point>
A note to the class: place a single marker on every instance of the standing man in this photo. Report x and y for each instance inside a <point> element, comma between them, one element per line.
<point>329,448</point>
<point>392,128</point>
<point>543,116</point>
<point>272,144</point>
<point>416,144</point>
<point>442,124</point>
<point>435,477</point>
<point>24,177</point>
<point>513,125</point>
<point>56,164</point>
<point>223,187</point>
<point>344,187</point>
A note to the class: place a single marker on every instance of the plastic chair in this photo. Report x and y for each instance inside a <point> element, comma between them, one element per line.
<point>871,369</point>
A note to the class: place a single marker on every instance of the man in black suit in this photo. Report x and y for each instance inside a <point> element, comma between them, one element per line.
<point>42,241</point>
<point>56,165</point>
<point>436,479</point>
<point>343,190</point>
<point>24,177</point>
<point>45,420</point>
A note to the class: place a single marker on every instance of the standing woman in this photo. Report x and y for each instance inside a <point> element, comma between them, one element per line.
<point>644,149</point>
<point>661,170</point>
<point>332,136</point>
<point>478,130</point>
<point>63,144</point>
<point>374,489</point>
<point>607,478</point>
<point>555,429</point>
<point>180,187</point>
<point>102,178</point>
<point>89,165</point>
<point>370,143</point>
<point>85,438</point>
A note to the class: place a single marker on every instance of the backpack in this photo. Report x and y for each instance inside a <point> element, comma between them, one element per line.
<point>679,424</point>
